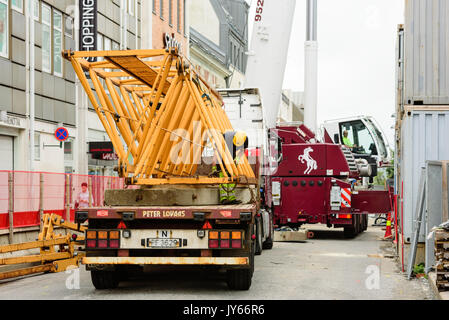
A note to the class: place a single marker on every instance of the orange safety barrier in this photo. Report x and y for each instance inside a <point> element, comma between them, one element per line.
<point>36,193</point>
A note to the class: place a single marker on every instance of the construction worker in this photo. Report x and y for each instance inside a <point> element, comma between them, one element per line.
<point>346,140</point>
<point>227,190</point>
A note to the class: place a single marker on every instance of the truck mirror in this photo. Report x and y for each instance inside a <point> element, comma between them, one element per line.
<point>337,138</point>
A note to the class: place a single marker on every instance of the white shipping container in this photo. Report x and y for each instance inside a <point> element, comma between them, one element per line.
<point>424,132</point>
<point>426,52</point>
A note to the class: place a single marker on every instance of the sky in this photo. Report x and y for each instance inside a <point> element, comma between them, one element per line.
<point>356,58</point>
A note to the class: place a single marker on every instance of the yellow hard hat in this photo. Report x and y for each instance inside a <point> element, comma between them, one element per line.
<point>239,139</point>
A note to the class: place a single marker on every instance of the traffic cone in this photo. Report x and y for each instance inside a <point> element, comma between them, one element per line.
<point>388,233</point>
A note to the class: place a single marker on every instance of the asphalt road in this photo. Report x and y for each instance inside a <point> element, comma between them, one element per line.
<point>328,267</point>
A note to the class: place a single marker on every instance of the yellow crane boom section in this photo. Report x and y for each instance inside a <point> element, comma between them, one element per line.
<point>160,116</point>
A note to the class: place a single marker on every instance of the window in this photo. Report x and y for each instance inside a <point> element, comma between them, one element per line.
<point>107,44</point>
<point>68,26</point>
<point>131,7</point>
<point>68,150</point>
<point>184,17</point>
<point>36,10</point>
<point>161,9</point>
<point>178,16</point>
<point>99,44</point>
<point>154,6</point>
<point>57,43</point>
<point>46,38</point>
<point>4,23</point>
<point>17,5</point>
<point>37,147</point>
<point>170,12</point>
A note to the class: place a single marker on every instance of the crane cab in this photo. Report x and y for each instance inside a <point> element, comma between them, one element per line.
<point>365,137</point>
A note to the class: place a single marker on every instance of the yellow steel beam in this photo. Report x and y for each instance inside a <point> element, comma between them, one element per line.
<point>143,98</point>
<point>32,245</point>
<point>36,258</point>
<point>26,271</point>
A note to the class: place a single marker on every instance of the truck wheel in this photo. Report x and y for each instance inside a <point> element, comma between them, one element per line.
<point>268,244</point>
<point>365,222</point>
<point>258,237</point>
<point>358,224</point>
<point>240,279</point>
<point>103,280</point>
<point>349,232</point>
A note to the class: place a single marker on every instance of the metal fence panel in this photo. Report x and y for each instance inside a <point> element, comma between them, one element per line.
<point>59,196</point>
<point>434,207</point>
<point>424,138</point>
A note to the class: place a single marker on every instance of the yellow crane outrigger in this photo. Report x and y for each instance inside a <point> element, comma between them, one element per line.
<point>144,98</point>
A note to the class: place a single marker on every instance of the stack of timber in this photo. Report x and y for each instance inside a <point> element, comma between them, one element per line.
<point>442,258</point>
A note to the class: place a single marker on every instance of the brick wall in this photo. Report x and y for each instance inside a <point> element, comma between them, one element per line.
<point>161,26</point>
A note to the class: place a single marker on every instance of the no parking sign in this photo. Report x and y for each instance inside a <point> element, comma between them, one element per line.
<point>61,134</point>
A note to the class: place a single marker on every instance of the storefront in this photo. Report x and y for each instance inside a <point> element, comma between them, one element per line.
<point>102,159</point>
<point>10,129</point>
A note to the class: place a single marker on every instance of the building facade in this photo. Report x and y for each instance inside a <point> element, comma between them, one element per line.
<point>39,91</point>
<point>219,40</point>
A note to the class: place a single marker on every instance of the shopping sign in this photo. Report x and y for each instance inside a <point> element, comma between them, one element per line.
<point>88,26</point>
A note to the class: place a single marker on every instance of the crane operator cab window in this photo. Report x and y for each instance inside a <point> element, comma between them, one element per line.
<point>356,136</point>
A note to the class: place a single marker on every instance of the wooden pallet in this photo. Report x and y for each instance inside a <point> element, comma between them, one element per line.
<point>442,258</point>
<point>441,235</point>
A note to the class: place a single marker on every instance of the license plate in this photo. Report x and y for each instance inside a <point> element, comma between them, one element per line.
<point>163,243</point>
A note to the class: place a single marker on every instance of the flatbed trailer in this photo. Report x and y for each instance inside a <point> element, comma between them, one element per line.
<point>164,120</point>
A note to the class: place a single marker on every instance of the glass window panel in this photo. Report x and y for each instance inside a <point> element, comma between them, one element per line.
<point>57,43</point>
<point>36,9</point>
<point>3,28</point>
<point>17,5</point>
<point>69,27</point>
<point>57,20</point>
<point>46,14</point>
<point>68,150</point>
<point>37,146</point>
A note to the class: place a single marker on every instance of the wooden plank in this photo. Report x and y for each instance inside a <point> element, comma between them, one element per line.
<point>441,235</point>
<point>138,69</point>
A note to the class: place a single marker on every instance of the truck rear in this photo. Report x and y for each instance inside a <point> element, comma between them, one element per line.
<point>130,234</point>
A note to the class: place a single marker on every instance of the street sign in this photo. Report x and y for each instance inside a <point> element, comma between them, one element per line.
<point>61,134</point>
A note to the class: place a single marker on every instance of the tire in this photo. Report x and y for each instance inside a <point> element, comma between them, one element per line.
<point>259,245</point>
<point>103,280</point>
<point>358,224</point>
<point>241,279</point>
<point>268,244</point>
<point>365,222</point>
<point>349,232</point>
